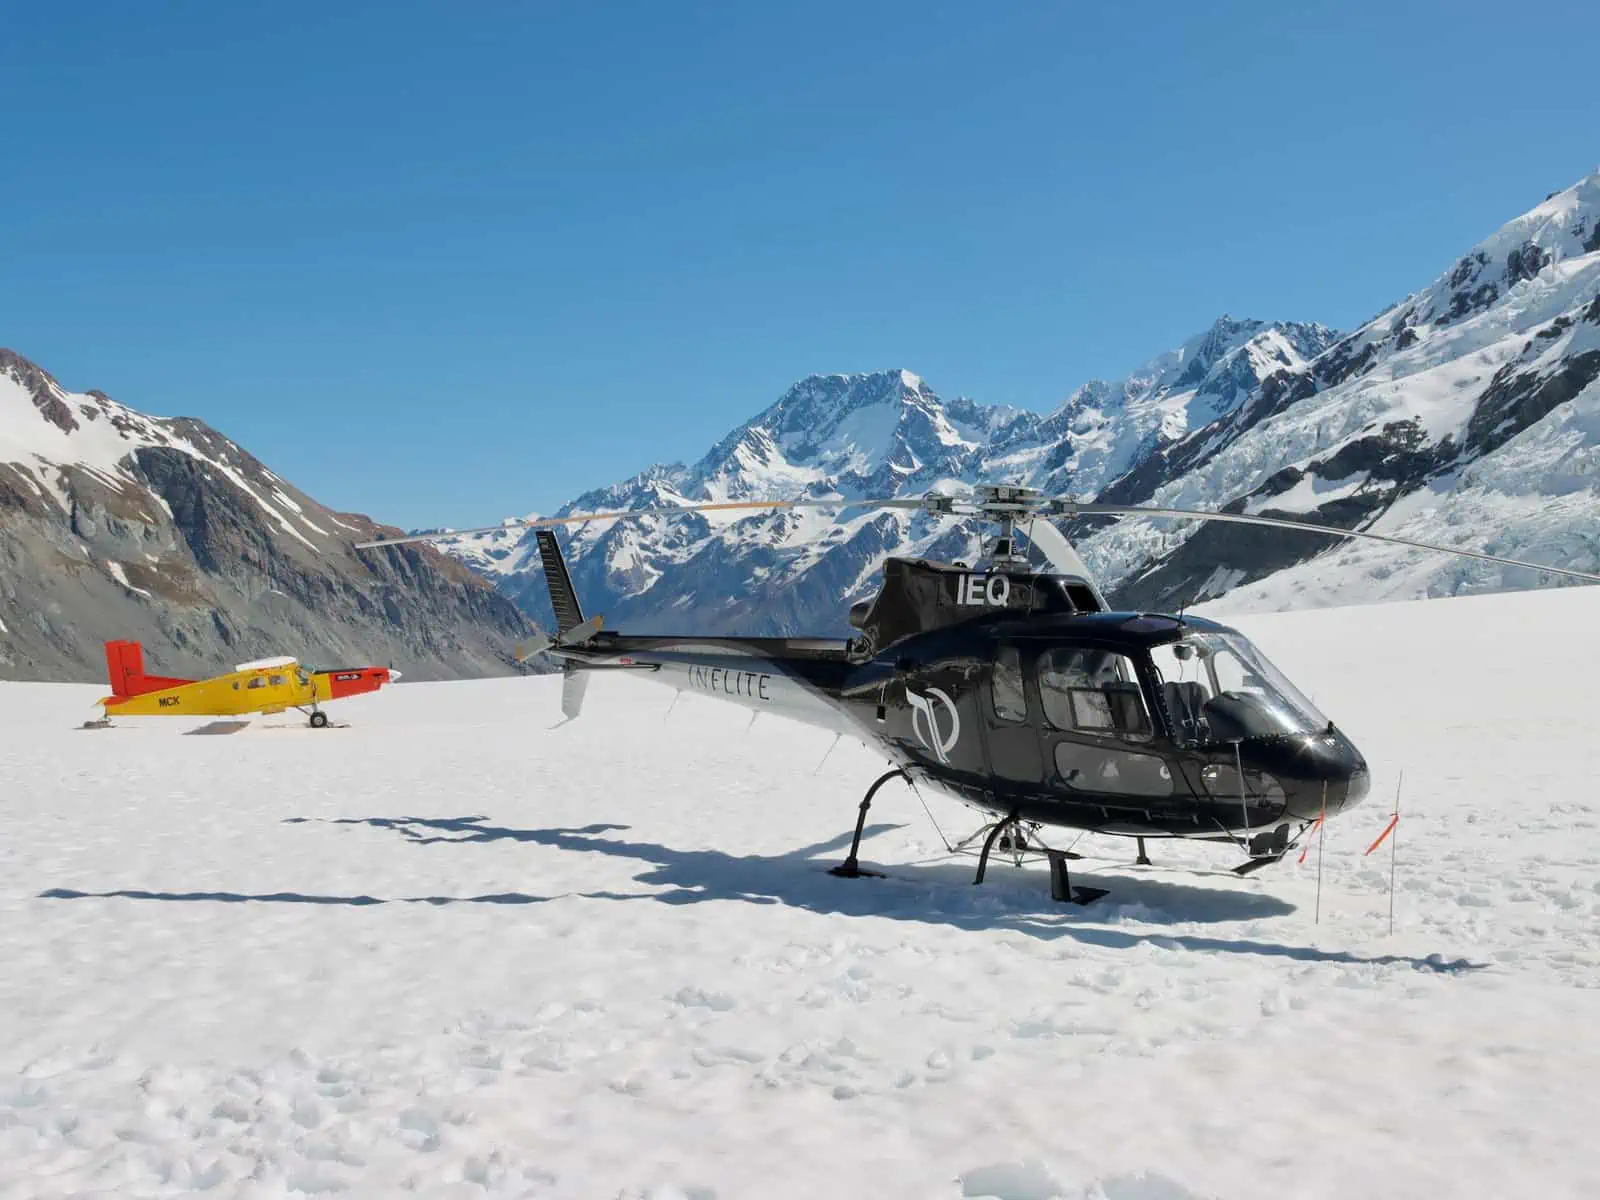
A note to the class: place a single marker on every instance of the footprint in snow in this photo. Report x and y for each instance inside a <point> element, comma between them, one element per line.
<point>1031,1181</point>
<point>692,997</point>
<point>1010,1181</point>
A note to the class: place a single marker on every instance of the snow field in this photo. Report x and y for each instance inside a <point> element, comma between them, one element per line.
<point>455,948</point>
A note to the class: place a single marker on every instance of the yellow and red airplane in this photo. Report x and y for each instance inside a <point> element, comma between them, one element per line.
<point>267,686</point>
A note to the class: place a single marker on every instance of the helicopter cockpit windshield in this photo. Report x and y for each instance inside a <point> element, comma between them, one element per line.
<point>1219,687</point>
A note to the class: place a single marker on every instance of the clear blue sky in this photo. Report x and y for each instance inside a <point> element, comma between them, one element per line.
<point>447,263</point>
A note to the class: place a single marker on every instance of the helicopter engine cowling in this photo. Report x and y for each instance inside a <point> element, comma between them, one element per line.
<point>919,595</point>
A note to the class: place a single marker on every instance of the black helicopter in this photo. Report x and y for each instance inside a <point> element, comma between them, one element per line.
<point>1017,691</point>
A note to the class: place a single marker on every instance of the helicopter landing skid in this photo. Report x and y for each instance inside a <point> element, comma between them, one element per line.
<point>1061,881</point>
<point>1250,866</point>
<point>1268,848</point>
<point>1010,833</point>
<point>850,868</point>
<point>1007,832</point>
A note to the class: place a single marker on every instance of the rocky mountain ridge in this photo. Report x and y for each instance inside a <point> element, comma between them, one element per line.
<point>115,524</point>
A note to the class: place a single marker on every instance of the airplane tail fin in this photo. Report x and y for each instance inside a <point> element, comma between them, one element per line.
<point>124,668</point>
<point>125,671</point>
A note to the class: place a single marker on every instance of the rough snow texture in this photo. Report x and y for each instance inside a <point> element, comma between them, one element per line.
<point>1466,414</point>
<point>458,949</point>
<point>114,524</point>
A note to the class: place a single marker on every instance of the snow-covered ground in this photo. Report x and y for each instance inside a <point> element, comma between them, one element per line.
<point>455,950</point>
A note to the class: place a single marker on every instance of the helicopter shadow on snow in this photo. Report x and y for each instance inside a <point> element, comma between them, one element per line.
<point>940,894</point>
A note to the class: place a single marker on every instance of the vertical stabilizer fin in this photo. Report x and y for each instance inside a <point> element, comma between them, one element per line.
<point>575,681</point>
<point>125,672</point>
<point>563,598</point>
<point>124,667</point>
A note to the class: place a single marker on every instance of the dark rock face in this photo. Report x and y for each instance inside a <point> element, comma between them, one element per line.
<point>1526,261</point>
<point>1517,399</point>
<point>192,546</point>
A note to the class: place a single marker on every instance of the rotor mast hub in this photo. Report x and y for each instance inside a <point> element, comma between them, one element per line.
<point>1005,505</point>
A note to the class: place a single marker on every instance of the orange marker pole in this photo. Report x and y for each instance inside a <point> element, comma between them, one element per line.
<point>1322,834</point>
<point>1306,849</point>
<point>1394,846</point>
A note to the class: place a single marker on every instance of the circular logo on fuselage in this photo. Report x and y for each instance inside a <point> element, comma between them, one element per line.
<point>925,721</point>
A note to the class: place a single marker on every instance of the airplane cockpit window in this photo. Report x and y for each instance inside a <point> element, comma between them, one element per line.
<point>277,681</point>
<point>1010,701</point>
<point>257,681</point>
<point>1218,687</point>
<point>1094,692</point>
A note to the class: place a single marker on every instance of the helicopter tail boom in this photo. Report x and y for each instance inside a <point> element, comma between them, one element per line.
<point>786,676</point>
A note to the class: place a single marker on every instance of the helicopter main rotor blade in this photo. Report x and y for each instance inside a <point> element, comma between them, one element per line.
<point>660,510</point>
<point>1191,514</point>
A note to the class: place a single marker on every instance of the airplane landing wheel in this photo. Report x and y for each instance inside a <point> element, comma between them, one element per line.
<point>319,720</point>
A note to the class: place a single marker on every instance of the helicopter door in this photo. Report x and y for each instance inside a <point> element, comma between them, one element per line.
<point>1010,722</point>
<point>1098,730</point>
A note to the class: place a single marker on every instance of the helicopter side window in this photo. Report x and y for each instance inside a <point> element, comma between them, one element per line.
<point>1094,692</point>
<point>1117,772</point>
<point>1010,701</point>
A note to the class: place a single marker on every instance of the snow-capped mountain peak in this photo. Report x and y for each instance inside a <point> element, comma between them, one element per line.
<point>88,433</point>
<point>1112,424</point>
<point>874,434</point>
<point>1467,413</point>
<point>1468,397</point>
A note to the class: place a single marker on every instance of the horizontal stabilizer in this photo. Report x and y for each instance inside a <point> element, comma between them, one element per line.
<point>575,636</point>
<point>579,634</point>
